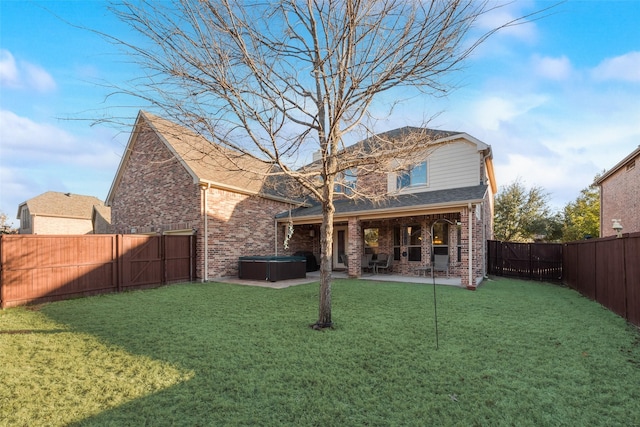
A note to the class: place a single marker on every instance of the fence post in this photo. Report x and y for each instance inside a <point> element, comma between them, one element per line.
<point>163,257</point>
<point>119,242</point>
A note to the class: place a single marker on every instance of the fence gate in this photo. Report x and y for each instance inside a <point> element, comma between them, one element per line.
<point>142,261</point>
<point>535,261</point>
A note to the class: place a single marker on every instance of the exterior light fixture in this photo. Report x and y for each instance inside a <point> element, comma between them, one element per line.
<point>617,227</point>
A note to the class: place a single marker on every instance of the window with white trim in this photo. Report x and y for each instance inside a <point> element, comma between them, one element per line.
<point>416,175</point>
<point>346,182</point>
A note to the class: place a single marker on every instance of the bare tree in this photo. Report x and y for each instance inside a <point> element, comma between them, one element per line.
<point>276,81</point>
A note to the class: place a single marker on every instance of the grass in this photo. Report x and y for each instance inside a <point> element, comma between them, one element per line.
<point>511,353</point>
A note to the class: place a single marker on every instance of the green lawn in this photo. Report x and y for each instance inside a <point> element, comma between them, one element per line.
<point>511,353</point>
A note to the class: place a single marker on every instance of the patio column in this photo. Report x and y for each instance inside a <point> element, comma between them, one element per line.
<point>354,247</point>
<point>465,218</point>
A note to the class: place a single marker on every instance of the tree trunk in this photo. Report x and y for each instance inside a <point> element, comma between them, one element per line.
<point>326,266</point>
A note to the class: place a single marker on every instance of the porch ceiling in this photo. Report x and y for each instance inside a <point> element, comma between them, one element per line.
<point>400,205</point>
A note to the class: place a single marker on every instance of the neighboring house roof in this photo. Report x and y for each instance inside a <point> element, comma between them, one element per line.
<point>405,203</point>
<point>206,162</point>
<point>63,205</point>
<point>619,165</point>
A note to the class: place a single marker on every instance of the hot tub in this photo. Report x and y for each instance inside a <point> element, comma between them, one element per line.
<point>272,268</point>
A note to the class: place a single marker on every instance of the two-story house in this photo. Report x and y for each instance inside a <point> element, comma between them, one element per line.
<point>439,206</point>
<point>63,213</point>
<point>170,180</point>
<point>619,201</point>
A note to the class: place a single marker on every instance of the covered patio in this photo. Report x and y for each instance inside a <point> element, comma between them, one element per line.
<point>410,231</point>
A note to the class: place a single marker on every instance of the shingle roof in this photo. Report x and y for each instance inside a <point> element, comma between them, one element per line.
<point>620,164</point>
<point>454,196</point>
<point>65,205</point>
<point>209,162</point>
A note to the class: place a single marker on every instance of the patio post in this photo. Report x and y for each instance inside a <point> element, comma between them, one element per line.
<point>354,247</point>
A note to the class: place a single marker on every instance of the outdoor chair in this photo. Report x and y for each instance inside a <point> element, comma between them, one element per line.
<point>383,263</point>
<point>441,263</point>
<point>345,261</point>
<point>367,262</point>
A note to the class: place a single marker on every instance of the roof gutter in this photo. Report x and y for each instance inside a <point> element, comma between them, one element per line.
<point>618,165</point>
<point>212,184</point>
<point>384,213</point>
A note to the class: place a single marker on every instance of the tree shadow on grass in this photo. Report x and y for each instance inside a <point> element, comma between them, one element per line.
<point>253,360</point>
<point>233,340</point>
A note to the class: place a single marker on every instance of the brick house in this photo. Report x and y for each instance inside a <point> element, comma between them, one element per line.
<point>619,189</point>
<point>172,181</point>
<point>63,213</point>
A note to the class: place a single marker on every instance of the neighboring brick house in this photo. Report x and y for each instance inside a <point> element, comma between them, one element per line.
<point>619,196</point>
<point>170,180</point>
<point>63,213</point>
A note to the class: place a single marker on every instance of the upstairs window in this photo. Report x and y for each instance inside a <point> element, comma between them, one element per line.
<point>25,218</point>
<point>347,182</point>
<point>415,176</point>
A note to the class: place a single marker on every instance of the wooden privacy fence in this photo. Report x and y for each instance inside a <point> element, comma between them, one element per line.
<point>607,270</point>
<point>534,261</point>
<point>36,268</point>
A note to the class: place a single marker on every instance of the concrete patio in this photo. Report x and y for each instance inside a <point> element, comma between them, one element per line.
<point>314,276</point>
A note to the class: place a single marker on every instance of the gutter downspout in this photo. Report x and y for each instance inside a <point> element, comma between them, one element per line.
<point>276,236</point>
<point>484,242</point>
<point>471,285</point>
<point>206,232</point>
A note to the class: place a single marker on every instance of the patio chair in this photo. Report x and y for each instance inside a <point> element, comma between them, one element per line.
<point>344,260</point>
<point>441,263</point>
<point>383,263</point>
<point>367,263</point>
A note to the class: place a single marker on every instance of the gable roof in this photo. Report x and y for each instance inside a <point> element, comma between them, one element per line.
<point>63,205</point>
<point>405,204</point>
<point>635,153</point>
<point>207,163</point>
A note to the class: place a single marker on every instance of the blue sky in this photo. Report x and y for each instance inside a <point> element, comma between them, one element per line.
<point>558,99</point>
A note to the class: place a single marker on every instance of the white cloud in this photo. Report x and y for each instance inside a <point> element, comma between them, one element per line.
<point>37,78</point>
<point>490,113</point>
<point>22,137</point>
<point>38,157</point>
<point>623,68</point>
<point>23,74</point>
<point>552,68</point>
<point>562,178</point>
<point>502,13</point>
<point>8,70</point>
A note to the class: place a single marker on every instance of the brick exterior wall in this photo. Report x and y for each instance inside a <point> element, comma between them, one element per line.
<point>156,194</point>
<point>478,245</point>
<point>155,190</point>
<point>619,199</point>
<point>239,225</point>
